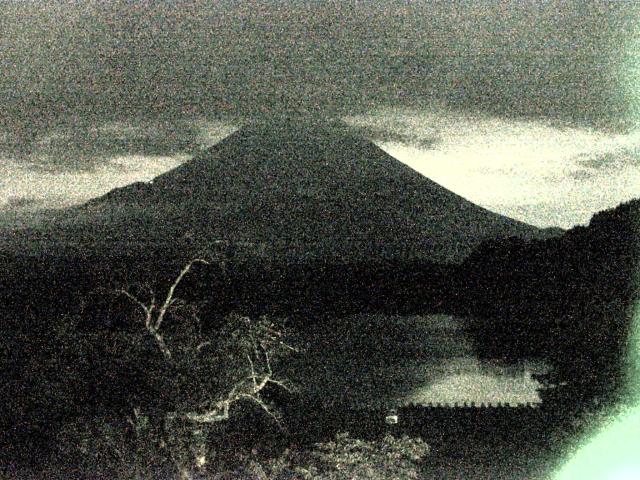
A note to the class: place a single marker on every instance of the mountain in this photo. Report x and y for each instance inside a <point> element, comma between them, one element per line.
<point>298,190</point>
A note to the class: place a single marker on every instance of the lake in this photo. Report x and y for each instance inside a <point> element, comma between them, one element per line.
<point>384,361</point>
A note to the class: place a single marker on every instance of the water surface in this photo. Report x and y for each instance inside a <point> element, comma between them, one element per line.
<point>378,360</point>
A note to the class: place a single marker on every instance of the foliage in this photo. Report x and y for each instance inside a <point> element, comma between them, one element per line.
<point>47,365</point>
<point>349,458</point>
<point>108,448</point>
<point>565,300</point>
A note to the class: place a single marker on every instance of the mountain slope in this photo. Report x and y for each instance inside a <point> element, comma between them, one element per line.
<point>293,189</point>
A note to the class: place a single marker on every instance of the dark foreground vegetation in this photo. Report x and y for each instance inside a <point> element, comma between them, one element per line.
<point>174,394</point>
<point>568,300</point>
<point>143,368</point>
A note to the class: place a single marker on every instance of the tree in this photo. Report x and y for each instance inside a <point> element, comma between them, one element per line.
<point>204,374</point>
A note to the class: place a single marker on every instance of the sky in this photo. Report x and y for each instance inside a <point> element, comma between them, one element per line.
<point>530,108</point>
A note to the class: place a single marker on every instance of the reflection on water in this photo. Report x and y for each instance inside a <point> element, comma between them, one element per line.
<point>379,360</point>
<point>467,379</point>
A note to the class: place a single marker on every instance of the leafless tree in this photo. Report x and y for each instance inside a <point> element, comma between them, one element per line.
<point>241,354</point>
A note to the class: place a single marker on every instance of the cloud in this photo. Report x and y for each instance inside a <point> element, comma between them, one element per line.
<point>504,164</point>
<point>581,174</point>
<point>20,203</point>
<point>395,134</point>
<point>103,61</point>
<point>84,147</point>
<point>623,154</point>
<point>18,210</point>
<point>24,189</point>
<point>621,157</point>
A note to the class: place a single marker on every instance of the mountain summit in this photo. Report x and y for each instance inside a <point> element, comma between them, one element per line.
<point>297,189</point>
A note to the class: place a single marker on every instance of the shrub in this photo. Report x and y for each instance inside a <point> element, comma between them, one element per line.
<point>103,447</point>
<point>348,458</point>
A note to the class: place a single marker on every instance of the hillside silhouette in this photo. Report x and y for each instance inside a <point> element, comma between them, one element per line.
<point>568,300</point>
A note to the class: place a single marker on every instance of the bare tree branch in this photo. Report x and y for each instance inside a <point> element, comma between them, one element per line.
<point>219,414</point>
<point>153,327</point>
<point>134,299</point>
<point>169,299</point>
<point>253,371</point>
<point>262,384</point>
<point>202,345</point>
<point>152,294</point>
<point>161,344</point>
<point>148,310</point>
<point>221,411</point>
<point>262,404</point>
<point>258,341</point>
<point>281,384</point>
<point>268,362</point>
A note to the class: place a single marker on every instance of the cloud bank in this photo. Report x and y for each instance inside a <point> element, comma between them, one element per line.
<point>68,63</point>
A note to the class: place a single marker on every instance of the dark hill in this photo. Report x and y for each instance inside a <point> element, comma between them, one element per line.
<point>299,189</point>
<point>569,300</point>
